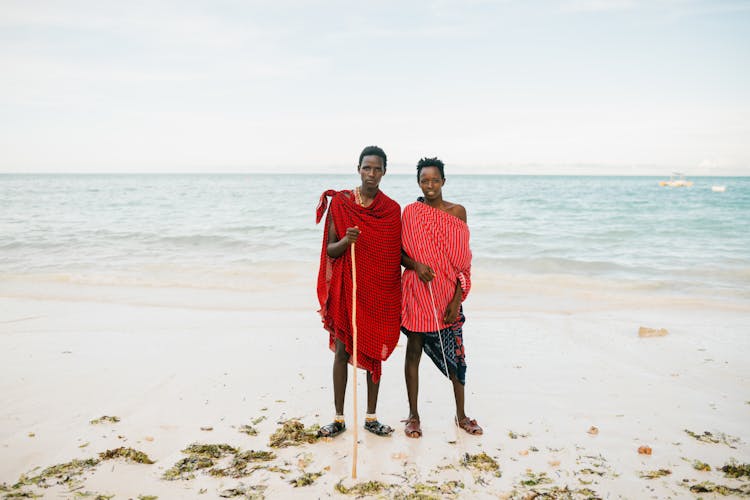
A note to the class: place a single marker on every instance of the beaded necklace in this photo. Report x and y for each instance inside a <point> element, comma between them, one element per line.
<point>358,197</point>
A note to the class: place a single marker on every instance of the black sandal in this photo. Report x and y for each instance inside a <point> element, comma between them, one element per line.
<point>377,428</point>
<point>332,430</point>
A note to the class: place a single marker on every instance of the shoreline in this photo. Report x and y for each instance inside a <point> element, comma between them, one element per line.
<point>238,289</point>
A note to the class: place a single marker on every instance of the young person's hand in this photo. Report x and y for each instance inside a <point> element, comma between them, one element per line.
<point>425,272</point>
<point>451,312</point>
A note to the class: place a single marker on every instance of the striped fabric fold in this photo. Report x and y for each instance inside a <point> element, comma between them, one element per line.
<point>441,241</point>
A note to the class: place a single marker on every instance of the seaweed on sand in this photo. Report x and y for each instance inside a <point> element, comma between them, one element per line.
<point>278,470</point>
<point>534,479</point>
<point>532,486</point>
<point>18,493</point>
<point>422,491</point>
<point>105,418</point>
<point>516,435</point>
<point>249,430</point>
<point>293,433</point>
<point>735,470</point>
<point>594,465</point>
<point>709,487</point>
<point>93,495</point>
<point>200,456</point>
<point>708,437</point>
<point>128,454</point>
<point>589,470</point>
<point>698,465</point>
<point>58,474</point>
<point>409,491</point>
<point>363,489</point>
<point>561,493</point>
<point>653,474</point>
<point>185,467</point>
<point>306,479</point>
<point>239,466</point>
<point>249,492</point>
<point>214,451</point>
<point>481,462</point>
<point>256,456</point>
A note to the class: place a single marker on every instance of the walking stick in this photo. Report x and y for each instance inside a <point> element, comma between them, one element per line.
<point>437,326</point>
<point>354,361</point>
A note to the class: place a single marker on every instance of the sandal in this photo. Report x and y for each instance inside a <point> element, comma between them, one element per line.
<point>377,428</point>
<point>412,429</point>
<point>469,425</point>
<point>332,430</point>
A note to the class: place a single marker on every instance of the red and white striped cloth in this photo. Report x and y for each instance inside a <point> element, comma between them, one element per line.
<point>441,241</point>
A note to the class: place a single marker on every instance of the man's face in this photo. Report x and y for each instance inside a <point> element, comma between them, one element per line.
<point>371,170</point>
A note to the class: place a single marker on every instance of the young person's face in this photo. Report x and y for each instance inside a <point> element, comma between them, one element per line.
<point>371,170</point>
<point>431,183</point>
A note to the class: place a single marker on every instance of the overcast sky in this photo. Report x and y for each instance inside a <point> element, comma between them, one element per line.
<point>506,86</point>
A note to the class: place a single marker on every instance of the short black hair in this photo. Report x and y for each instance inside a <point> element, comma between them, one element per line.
<point>373,151</point>
<point>431,162</point>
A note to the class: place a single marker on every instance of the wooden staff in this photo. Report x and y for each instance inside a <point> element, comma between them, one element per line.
<point>354,362</point>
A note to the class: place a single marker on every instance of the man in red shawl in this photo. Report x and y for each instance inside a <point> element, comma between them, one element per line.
<point>436,281</point>
<point>369,218</point>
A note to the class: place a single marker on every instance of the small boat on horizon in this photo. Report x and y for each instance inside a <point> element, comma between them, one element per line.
<point>718,189</point>
<point>677,179</point>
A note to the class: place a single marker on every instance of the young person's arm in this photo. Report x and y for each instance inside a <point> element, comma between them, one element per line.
<point>451,312</point>
<point>424,271</point>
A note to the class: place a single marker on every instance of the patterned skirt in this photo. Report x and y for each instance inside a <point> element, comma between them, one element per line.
<point>452,346</point>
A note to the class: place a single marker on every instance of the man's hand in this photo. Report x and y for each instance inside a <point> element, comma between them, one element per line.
<point>425,272</point>
<point>451,312</point>
<point>352,233</point>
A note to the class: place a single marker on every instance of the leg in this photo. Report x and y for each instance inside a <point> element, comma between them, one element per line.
<point>372,394</point>
<point>411,373</point>
<point>340,374</point>
<point>469,425</point>
<point>371,421</point>
<point>458,393</point>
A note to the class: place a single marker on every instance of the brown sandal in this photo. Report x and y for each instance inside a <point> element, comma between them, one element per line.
<point>413,429</point>
<point>469,425</point>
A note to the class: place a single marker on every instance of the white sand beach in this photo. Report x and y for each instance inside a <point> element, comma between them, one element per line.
<point>548,359</point>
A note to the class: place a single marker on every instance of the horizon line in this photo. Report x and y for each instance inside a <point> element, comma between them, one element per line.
<point>410,174</point>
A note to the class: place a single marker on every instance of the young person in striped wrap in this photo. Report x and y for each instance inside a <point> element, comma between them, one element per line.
<point>437,279</point>
<point>367,216</point>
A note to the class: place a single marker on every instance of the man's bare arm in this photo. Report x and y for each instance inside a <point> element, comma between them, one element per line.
<point>336,247</point>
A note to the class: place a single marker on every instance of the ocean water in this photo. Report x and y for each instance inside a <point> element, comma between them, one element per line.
<point>191,230</point>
